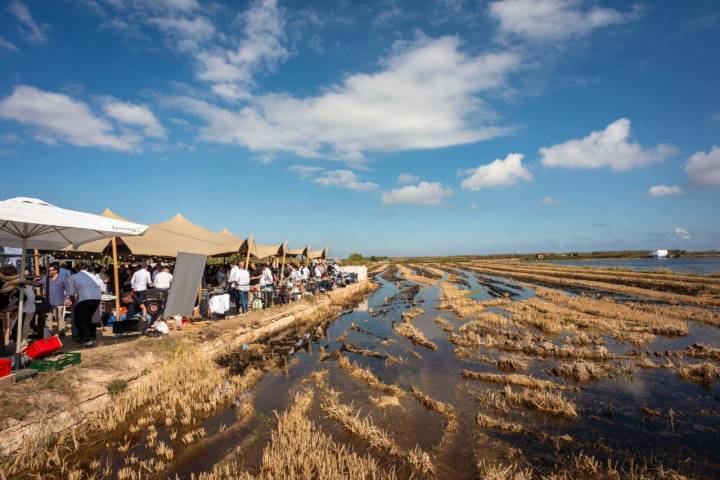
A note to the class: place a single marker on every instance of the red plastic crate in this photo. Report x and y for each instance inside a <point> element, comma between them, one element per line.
<point>5,367</point>
<point>44,347</point>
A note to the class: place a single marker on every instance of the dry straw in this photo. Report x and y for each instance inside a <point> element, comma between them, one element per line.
<point>365,375</point>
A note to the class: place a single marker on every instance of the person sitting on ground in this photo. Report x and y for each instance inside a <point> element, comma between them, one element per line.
<point>163,279</point>
<point>84,292</point>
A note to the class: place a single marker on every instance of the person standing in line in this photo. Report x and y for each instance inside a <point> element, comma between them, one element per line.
<point>239,282</point>
<point>305,271</point>
<point>84,288</point>
<point>267,285</point>
<point>296,281</point>
<point>233,281</point>
<point>57,292</point>
<point>305,275</point>
<point>66,270</point>
<point>122,278</point>
<point>139,283</point>
<point>163,279</point>
<point>220,276</point>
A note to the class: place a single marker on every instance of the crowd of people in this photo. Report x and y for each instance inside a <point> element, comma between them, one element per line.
<point>77,289</point>
<point>261,285</point>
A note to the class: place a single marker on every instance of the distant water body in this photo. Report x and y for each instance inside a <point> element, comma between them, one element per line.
<point>701,265</point>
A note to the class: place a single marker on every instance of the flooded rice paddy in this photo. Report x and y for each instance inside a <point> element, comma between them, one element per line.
<point>463,373</point>
<point>697,265</point>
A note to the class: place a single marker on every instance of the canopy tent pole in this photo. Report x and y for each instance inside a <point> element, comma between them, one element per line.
<point>200,299</point>
<point>247,258</point>
<point>116,278</point>
<point>282,269</point>
<point>46,295</point>
<point>21,301</point>
<point>36,257</point>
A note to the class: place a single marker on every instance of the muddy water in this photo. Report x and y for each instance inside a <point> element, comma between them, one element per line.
<point>610,422</point>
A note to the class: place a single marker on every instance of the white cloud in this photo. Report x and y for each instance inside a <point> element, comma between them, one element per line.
<point>390,12</point>
<point>305,171</point>
<point>29,27</point>
<point>260,49</point>
<point>265,158</point>
<point>57,117</point>
<point>554,19</point>
<point>175,5</point>
<point>133,114</point>
<point>605,148</point>
<point>682,233</point>
<point>664,191</point>
<point>424,193</point>
<point>425,97</point>
<point>7,45</point>
<point>716,117</point>
<point>406,178</point>
<point>499,173</point>
<point>473,206</point>
<point>188,33</point>
<point>172,6</point>
<point>550,201</point>
<point>703,168</point>
<point>343,179</point>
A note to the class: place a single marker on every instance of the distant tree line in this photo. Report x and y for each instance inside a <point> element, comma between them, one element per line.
<point>359,259</point>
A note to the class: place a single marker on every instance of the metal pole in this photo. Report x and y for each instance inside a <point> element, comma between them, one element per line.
<point>21,303</point>
<point>116,278</point>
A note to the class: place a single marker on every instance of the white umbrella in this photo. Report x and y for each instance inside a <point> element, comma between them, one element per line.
<point>32,223</point>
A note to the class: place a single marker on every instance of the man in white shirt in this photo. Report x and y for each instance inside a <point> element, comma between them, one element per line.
<point>295,276</point>
<point>267,283</point>
<point>85,288</point>
<point>140,282</point>
<point>163,279</point>
<point>305,271</point>
<point>295,279</point>
<point>239,281</point>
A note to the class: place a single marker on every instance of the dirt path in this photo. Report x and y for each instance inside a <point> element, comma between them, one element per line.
<point>55,401</point>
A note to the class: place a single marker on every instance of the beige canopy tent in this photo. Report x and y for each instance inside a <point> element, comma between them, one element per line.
<point>297,252</point>
<point>248,247</point>
<point>232,238</point>
<point>322,254</point>
<point>163,239</point>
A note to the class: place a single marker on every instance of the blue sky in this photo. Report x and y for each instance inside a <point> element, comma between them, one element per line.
<point>389,127</point>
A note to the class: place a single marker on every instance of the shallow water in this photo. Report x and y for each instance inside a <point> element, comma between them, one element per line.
<point>701,265</point>
<point>610,422</point>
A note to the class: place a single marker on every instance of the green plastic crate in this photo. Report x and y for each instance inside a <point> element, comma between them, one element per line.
<point>56,362</point>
